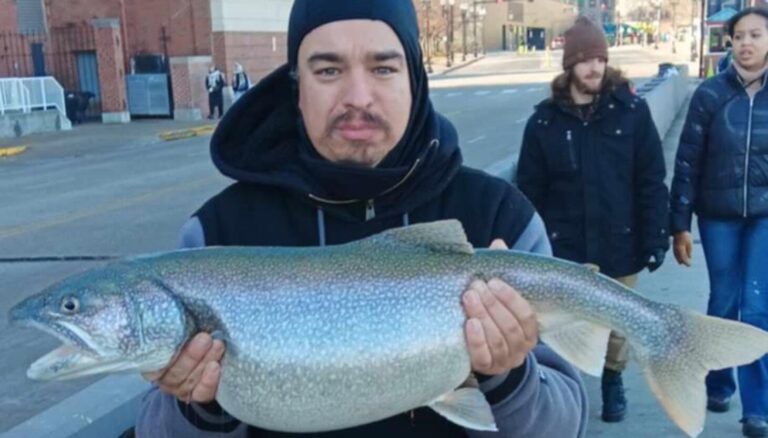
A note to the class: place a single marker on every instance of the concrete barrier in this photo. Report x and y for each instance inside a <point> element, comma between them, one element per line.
<point>19,124</point>
<point>665,96</point>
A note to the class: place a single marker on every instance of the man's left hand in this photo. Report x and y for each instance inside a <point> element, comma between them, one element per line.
<point>501,327</point>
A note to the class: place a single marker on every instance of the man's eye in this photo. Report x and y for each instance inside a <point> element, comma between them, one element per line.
<point>328,72</point>
<point>385,70</point>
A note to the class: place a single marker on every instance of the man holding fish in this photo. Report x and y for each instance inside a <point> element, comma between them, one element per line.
<point>339,145</point>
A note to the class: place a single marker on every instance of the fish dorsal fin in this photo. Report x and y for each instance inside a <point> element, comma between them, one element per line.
<point>442,236</point>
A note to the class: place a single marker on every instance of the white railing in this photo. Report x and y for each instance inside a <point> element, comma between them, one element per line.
<point>29,94</point>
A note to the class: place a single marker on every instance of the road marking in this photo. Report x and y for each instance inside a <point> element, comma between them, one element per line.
<point>455,94</point>
<point>13,151</point>
<point>523,120</point>
<point>482,93</point>
<point>532,90</point>
<point>119,204</point>
<point>475,140</point>
<point>509,91</point>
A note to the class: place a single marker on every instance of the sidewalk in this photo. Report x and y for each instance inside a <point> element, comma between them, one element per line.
<point>440,63</point>
<point>88,137</point>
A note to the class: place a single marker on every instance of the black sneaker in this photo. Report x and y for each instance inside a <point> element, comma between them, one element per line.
<point>614,401</point>
<point>754,427</point>
<point>718,404</point>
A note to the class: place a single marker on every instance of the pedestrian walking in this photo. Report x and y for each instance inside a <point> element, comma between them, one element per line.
<point>592,164</point>
<point>215,83</point>
<point>721,175</point>
<point>240,83</point>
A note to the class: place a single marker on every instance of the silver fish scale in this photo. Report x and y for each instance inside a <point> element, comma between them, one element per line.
<point>333,341</point>
<point>333,338</point>
<point>556,285</point>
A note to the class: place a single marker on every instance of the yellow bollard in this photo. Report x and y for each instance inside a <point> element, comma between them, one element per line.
<point>710,69</point>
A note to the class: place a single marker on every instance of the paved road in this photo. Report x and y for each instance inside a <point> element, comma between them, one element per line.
<point>117,191</point>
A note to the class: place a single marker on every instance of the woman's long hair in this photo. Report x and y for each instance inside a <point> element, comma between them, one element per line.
<point>561,85</point>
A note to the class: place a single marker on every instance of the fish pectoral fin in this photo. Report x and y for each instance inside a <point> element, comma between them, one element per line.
<point>441,236</point>
<point>582,343</point>
<point>466,407</point>
<point>699,344</point>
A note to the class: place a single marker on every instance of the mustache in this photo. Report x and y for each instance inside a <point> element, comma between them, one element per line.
<point>362,115</point>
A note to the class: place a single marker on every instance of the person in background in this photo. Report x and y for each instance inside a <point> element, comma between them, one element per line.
<point>721,174</point>
<point>593,166</point>
<point>240,83</point>
<point>215,83</point>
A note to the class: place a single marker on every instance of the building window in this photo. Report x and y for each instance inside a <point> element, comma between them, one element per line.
<point>30,16</point>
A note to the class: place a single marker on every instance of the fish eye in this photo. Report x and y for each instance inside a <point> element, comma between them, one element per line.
<point>70,305</point>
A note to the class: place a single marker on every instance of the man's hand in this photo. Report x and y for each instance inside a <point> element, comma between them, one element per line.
<point>683,245</point>
<point>194,374</point>
<point>501,326</point>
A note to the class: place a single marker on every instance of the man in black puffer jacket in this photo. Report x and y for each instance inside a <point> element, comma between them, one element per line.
<point>592,164</point>
<point>343,143</point>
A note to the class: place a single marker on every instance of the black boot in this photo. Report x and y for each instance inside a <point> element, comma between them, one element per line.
<point>614,402</point>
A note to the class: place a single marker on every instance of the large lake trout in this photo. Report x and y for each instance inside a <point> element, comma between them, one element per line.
<point>328,338</point>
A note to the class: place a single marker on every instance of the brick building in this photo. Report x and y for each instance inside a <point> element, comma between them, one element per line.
<point>188,34</point>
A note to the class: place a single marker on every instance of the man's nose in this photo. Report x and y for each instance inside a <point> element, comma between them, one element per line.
<point>358,90</point>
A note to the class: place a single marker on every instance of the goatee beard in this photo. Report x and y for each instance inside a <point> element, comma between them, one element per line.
<point>586,89</point>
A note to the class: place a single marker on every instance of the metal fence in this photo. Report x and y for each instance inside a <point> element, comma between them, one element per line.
<point>66,53</point>
<point>31,94</point>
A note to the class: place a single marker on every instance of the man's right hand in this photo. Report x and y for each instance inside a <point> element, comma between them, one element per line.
<point>194,374</point>
<point>684,248</point>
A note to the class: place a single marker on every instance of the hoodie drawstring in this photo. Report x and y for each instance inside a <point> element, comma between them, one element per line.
<point>321,226</point>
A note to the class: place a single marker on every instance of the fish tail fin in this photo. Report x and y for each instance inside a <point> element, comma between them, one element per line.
<point>704,343</point>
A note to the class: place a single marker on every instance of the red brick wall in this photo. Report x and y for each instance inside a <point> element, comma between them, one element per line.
<point>188,79</point>
<point>254,50</point>
<point>8,16</point>
<point>111,73</point>
<point>187,24</point>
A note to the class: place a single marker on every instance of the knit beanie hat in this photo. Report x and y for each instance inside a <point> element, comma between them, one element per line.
<point>584,41</point>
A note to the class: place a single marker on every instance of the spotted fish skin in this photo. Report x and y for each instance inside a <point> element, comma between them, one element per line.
<point>329,338</point>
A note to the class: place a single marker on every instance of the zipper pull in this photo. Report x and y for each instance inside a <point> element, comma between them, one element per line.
<point>370,211</point>
<point>569,136</point>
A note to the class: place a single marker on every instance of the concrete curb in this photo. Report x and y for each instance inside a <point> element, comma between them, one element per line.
<point>197,131</point>
<point>12,151</point>
<point>457,67</point>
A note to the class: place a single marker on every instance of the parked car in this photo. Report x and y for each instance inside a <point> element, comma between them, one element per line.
<point>557,43</point>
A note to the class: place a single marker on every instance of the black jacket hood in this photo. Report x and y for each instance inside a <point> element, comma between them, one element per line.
<point>261,140</point>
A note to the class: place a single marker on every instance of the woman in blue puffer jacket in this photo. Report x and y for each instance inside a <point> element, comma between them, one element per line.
<point>721,174</point>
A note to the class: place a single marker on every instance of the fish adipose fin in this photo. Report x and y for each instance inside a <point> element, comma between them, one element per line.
<point>441,236</point>
<point>677,380</point>
<point>466,407</point>
<point>582,343</point>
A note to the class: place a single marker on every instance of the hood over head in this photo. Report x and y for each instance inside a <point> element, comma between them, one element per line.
<point>262,139</point>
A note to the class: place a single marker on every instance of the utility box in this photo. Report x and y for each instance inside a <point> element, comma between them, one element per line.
<point>148,95</point>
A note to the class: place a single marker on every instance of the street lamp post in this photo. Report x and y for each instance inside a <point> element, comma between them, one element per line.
<point>428,36</point>
<point>474,27</point>
<point>657,3</point>
<point>448,11</point>
<point>674,4</point>
<point>464,10</point>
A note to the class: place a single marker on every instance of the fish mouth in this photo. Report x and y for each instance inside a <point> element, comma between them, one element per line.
<point>76,357</point>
